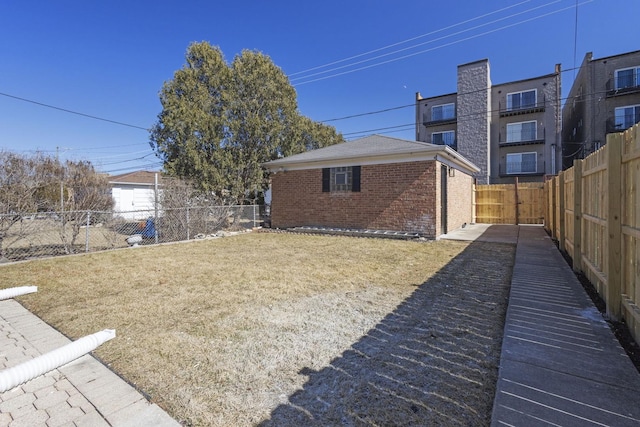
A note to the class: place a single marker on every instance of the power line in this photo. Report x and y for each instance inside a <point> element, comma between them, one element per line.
<point>127,161</point>
<point>73,112</point>
<point>143,166</point>
<point>426,42</point>
<point>368,113</point>
<point>385,110</point>
<point>407,40</point>
<point>575,41</point>
<point>465,117</point>
<point>437,47</point>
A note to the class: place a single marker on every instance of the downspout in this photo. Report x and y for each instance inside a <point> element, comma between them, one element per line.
<point>14,292</point>
<point>12,377</point>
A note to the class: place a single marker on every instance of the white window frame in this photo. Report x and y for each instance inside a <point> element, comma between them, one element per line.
<point>512,171</point>
<point>510,107</point>
<point>441,106</point>
<point>623,126</point>
<point>636,77</point>
<point>442,133</point>
<point>509,134</point>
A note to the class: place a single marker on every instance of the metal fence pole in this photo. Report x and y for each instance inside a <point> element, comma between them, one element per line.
<point>155,218</point>
<point>86,240</point>
<point>254,215</point>
<point>187,223</point>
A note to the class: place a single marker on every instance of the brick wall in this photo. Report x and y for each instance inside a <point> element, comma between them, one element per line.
<point>399,197</point>
<point>460,200</point>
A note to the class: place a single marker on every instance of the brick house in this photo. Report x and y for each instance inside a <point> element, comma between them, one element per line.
<point>374,183</point>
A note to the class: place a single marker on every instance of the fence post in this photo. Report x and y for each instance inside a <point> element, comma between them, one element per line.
<point>474,206</point>
<point>577,216</point>
<point>613,297</point>
<point>515,189</point>
<point>561,221</point>
<point>86,240</point>
<point>552,203</point>
<point>155,204</point>
<point>187,223</point>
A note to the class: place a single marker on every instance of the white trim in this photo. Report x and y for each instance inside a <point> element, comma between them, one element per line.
<point>441,153</point>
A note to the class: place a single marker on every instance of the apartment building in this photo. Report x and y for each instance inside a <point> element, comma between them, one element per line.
<point>508,130</point>
<point>604,98</point>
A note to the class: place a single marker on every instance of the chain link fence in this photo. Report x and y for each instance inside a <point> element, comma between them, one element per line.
<point>45,234</point>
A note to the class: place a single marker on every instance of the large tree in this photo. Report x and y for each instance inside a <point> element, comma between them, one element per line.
<point>33,183</point>
<point>220,121</point>
<point>19,183</point>
<point>86,192</point>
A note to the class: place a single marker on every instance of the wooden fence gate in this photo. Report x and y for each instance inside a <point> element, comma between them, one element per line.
<point>519,203</point>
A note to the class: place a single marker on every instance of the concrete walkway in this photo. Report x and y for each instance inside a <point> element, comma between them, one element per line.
<point>560,365</point>
<point>81,393</point>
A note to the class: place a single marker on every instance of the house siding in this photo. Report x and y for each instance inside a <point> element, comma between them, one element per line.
<point>133,202</point>
<point>397,197</point>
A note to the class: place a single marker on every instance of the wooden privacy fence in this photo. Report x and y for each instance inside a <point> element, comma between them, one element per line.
<point>520,203</point>
<point>593,211</point>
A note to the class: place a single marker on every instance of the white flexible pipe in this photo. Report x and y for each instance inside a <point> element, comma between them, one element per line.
<point>12,377</point>
<point>14,292</point>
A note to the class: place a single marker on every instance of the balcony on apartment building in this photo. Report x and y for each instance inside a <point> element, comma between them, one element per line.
<point>447,138</point>
<point>522,105</point>
<point>616,125</point>
<point>442,114</point>
<point>429,121</point>
<point>623,84</point>
<point>521,164</point>
<point>522,134</point>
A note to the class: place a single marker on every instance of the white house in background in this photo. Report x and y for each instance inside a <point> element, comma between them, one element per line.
<point>134,194</point>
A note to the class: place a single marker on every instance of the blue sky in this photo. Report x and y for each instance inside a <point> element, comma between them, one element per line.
<point>109,59</point>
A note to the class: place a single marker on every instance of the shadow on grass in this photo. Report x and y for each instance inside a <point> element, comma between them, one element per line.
<point>432,361</point>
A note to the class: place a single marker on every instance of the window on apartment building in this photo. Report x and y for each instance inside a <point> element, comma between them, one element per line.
<point>627,116</point>
<point>522,163</point>
<point>444,138</point>
<point>522,131</point>
<point>341,179</point>
<point>443,112</point>
<point>524,99</point>
<point>627,77</point>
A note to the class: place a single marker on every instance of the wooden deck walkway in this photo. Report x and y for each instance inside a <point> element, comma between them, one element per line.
<point>560,365</point>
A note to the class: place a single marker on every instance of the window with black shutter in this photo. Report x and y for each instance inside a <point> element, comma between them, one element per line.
<point>346,178</point>
<point>326,180</point>
<point>355,178</point>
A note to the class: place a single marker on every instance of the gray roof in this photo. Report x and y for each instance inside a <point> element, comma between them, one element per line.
<point>371,147</point>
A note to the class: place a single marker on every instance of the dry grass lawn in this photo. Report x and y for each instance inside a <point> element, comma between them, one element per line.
<point>284,329</point>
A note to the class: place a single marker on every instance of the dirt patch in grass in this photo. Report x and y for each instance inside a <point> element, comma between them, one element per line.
<point>286,329</point>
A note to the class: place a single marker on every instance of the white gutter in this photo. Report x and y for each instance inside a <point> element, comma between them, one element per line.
<point>12,377</point>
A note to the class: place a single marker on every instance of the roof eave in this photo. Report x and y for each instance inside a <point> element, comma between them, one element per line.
<point>425,153</point>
